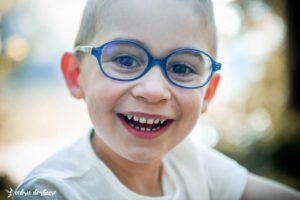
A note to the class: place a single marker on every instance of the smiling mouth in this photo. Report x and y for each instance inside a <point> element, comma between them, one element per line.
<point>143,124</point>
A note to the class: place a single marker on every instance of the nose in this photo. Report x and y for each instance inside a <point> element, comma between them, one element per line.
<point>152,87</point>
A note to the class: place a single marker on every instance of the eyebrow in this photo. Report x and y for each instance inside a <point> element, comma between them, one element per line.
<point>133,40</point>
<point>147,47</point>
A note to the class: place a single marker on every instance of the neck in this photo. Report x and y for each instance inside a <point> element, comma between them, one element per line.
<point>141,178</point>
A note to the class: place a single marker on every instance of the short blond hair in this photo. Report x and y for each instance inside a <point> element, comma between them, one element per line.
<point>91,23</point>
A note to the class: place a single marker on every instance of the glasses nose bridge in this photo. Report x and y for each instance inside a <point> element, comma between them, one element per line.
<point>154,62</point>
<point>157,63</point>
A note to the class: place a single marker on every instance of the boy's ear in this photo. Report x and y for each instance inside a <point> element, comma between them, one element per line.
<point>70,69</point>
<point>210,91</point>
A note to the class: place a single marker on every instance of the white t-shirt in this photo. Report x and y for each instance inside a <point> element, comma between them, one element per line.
<point>190,172</point>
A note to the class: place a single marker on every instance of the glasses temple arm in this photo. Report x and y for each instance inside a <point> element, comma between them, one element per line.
<point>217,66</point>
<point>85,49</point>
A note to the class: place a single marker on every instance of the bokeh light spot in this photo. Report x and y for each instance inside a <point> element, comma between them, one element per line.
<point>17,48</point>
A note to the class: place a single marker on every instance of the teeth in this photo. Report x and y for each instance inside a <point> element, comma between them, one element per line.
<point>135,118</point>
<point>156,121</point>
<point>150,121</point>
<point>142,120</point>
<point>146,129</point>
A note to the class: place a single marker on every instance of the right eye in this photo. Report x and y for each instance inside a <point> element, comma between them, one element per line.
<point>126,61</point>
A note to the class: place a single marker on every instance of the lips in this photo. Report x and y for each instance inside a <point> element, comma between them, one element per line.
<point>145,126</point>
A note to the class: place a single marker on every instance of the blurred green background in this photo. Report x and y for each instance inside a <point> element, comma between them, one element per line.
<point>255,117</point>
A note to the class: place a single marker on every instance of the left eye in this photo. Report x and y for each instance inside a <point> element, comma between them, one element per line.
<point>126,61</point>
<point>181,69</point>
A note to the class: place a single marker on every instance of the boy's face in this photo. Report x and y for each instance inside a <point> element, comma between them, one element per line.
<point>162,26</point>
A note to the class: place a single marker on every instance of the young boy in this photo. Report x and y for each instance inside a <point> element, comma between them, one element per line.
<point>146,70</point>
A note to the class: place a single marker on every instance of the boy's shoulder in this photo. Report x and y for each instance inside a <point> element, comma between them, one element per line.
<point>196,163</point>
<point>191,150</point>
<point>55,175</point>
<point>69,162</point>
<point>195,154</point>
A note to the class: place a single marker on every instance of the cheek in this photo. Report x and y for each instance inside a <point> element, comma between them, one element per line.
<point>99,91</point>
<point>102,96</point>
<point>190,103</point>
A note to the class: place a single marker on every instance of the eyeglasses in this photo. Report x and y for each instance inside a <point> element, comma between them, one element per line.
<point>126,60</point>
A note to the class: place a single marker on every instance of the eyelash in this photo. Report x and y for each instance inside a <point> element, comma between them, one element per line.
<point>187,67</point>
<point>132,58</point>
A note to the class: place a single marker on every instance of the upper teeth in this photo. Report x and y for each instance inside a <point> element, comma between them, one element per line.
<point>144,120</point>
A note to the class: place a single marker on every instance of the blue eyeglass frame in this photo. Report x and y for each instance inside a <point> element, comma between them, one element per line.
<point>97,52</point>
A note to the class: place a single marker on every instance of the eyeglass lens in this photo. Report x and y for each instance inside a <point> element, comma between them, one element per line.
<point>126,61</point>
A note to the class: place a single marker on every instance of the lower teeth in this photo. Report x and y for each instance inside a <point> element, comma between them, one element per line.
<point>143,129</point>
<point>146,129</point>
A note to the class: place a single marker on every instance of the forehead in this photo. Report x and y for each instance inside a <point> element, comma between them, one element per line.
<point>162,25</point>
